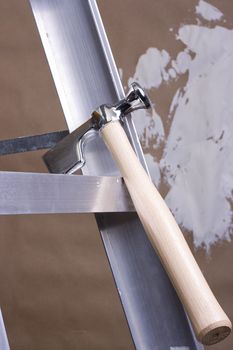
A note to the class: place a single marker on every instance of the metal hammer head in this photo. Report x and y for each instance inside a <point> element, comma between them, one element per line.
<point>135,99</point>
<point>67,155</point>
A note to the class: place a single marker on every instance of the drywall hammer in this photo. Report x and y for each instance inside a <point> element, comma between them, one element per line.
<point>209,321</point>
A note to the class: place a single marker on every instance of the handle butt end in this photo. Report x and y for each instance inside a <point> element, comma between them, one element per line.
<point>215,332</point>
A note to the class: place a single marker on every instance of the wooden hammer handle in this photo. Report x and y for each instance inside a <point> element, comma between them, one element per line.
<point>209,321</point>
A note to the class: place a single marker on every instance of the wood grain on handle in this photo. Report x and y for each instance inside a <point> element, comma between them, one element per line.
<point>209,321</point>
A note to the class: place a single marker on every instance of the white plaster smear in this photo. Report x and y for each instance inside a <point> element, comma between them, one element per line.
<point>150,70</point>
<point>208,11</point>
<point>154,169</point>
<point>149,126</point>
<point>197,159</point>
<point>198,153</point>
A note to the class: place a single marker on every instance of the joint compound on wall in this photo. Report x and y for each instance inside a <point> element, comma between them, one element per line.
<point>207,11</point>
<point>196,161</point>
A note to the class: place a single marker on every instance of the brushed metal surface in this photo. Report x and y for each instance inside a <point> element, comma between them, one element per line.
<point>31,143</point>
<point>4,345</point>
<point>85,77</point>
<point>67,156</point>
<point>33,193</point>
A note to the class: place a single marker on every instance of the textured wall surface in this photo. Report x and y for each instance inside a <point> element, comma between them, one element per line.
<point>56,288</point>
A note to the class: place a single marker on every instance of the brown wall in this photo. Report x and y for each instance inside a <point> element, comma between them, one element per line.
<point>56,288</point>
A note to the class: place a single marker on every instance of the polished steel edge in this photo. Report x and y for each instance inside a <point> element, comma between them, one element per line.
<point>39,193</point>
<point>4,344</point>
<point>130,127</point>
<point>155,316</point>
